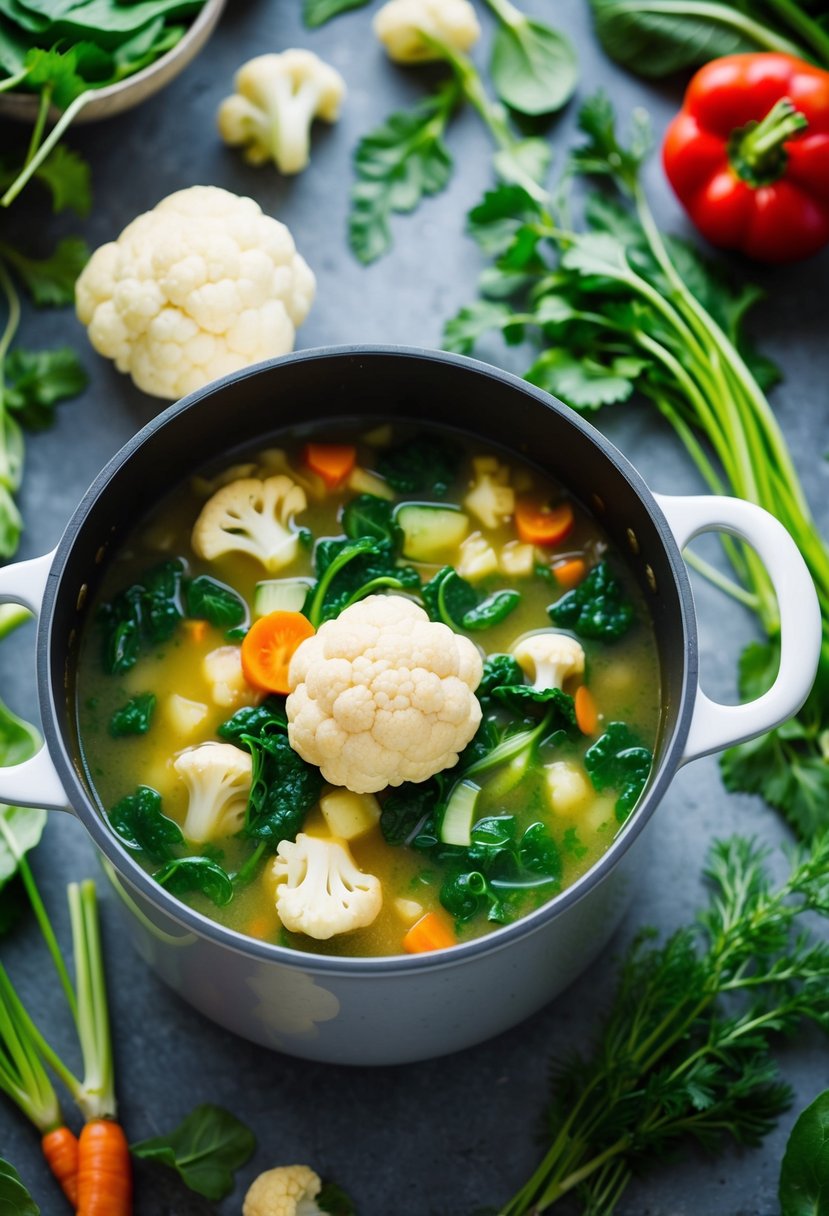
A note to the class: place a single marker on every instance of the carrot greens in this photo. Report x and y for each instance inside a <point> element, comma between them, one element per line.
<point>616,308</point>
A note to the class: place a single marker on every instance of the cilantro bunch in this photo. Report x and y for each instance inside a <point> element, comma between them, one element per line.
<point>616,308</point>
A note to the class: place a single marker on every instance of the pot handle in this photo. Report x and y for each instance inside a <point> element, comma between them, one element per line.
<point>715,726</point>
<point>35,782</point>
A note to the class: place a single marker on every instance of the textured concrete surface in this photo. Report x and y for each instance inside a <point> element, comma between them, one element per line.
<point>456,1134</point>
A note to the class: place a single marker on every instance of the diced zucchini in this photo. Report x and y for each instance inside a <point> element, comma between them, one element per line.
<point>280,595</point>
<point>456,825</point>
<point>349,815</point>
<point>430,533</point>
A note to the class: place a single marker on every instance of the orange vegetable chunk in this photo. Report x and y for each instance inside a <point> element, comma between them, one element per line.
<point>268,647</point>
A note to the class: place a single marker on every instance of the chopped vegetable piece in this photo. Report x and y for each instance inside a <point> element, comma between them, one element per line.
<point>452,600</point>
<point>280,595</point>
<point>186,874</point>
<point>140,823</point>
<point>431,932</point>
<point>597,608</point>
<point>332,461</point>
<point>209,600</point>
<point>570,573</point>
<point>350,815</point>
<point>268,647</point>
<point>430,533</point>
<point>587,715</point>
<point>539,524</point>
<point>133,718</point>
<point>456,821</point>
<point>618,761</point>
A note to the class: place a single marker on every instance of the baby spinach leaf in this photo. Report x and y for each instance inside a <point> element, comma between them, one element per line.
<point>209,600</point>
<point>134,717</point>
<point>316,13</point>
<point>533,67</point>
<point>283,789</point>
<point>804,1173</point>
<point>140,824</point>
<point>160,602</point>
<point>618,761</point>
<point>204,1150</point>
<point>25,825</point>
<point>145,612</point>
<point>538,852</point>
<point>558,706</point>
<point>597,608</point>
<point>269,718</point>
<point>185,874</point>
<point>349,570</point>
<point>427,464</point>
<point>499,670</point>
<point>15,1200</point>
<point>466,894</point>
<point>408,806</point>
<point>452,600</point>
<point>368,515</point>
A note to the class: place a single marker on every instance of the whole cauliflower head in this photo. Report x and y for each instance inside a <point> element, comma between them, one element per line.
<point>401,24</point>
<point>382,695</point>
<point>320,890</point>
<point>218,779</point>
<point>254,517</point>
<point>202,285</point>
<point>289,1190</point>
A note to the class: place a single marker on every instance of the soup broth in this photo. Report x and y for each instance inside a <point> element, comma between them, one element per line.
<point>159,675</point>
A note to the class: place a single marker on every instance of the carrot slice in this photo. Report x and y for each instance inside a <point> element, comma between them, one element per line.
<point>570,573</point>
<point>104,1170</point>
<point>60,1148</point>
<point>332,461</point>
<point>197,630</point>
<point>268,647</point>
<point>431,932</point>
<point>587,715</point>
<point>538,524</point>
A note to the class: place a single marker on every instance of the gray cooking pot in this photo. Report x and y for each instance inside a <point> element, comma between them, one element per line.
<point>392,1010</point>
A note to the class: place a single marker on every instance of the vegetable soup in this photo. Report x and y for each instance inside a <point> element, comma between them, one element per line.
<point>372,694</point>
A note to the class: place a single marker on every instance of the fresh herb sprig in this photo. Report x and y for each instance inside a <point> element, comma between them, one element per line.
<point>684,1052</point>
<point>616,307</point>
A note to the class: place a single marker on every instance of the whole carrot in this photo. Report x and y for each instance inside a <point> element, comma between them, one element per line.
<point>104,1170</point>
<point>60,1148</point>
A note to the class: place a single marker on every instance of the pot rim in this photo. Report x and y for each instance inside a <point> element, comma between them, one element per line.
<point>501,938</point>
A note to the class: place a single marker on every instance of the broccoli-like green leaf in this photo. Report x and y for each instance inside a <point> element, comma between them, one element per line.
<point>618,761</point>
<point>283,789</point>
<point>139,822</point>
<point>597,608</point>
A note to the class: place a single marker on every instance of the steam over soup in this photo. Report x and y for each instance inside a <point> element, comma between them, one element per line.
<point>377,693</point>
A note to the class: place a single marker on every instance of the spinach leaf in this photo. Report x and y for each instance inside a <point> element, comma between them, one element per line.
<point>316,13</point>
<point>597,608</point>
<point>427,464</point>
<point>160,601</point>
<point>452,600</point>
<point>209,600</point>
<point>204,1150</point>
<point>333,1200</point>
<point>557,706</point>
<point>349,570</point>
<point>24,824</point>
<point>185,874</point>
<point>502,864</point>
<point>373,517</point>
<point>409,806</point>
<point>146,612</point>
<point>804,1173</point>
<point>283,789</point>
<point>466,894</point>
<point>618,761</point>
<point>134,717</point>
<point>140,824</point>
<point>499,670</point>
<point>14,1197</point>
<point>533,67</point>
<point>269,718</point>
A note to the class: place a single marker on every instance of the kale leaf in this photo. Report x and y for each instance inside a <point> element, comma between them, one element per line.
<point>409,806</point>
<point>256,721</point>
<point>558,706</point>
<point>597,608</point>
<point>209,600</point>
<point>146,612</point>
<point>185,874</point>
<point>618,761</point>
<point>348,570</point>
<point>368,515</point>
<point>453,601</point>
<point>499,670</point>
<point>134,717</point>
<point>283,789</point>
<point>425,465</point>
<point>141,825</point>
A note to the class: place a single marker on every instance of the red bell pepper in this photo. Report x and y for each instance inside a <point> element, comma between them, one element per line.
<point>748,155</point>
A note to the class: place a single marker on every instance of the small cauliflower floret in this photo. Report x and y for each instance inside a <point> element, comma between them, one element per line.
<point>567,786</point>
<point>183,717</point>
<point>276,100</point>
<point>288,1190</point>
<point>401,25</point>
<point>253,517</point>
<point>517,559</point>
<point>217,777</point>
<point>382,695</point>
<point>321,891</point>
<point>477,558</point>
<point>549,658</point>
<point>349,815</point>
<point>222,669</point>
<point>409,910</point>
<point>203,285</point>
<point>491,498</point>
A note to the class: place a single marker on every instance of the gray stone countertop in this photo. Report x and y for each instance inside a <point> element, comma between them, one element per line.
<point>446,1136</point>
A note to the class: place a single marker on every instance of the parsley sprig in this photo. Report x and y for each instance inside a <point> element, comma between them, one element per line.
<point>684,1051</point>
<point>616,308</point>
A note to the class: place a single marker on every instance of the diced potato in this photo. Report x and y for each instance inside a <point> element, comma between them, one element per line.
<point>181,716</point>
<point>602,814</point>
<point>409,910</point>
<point>380,437</point>
<point>477,558</point>
<point>222,669</point>
<point>349,815</point>
<point>491,499</point>
<point>363,482</point>
<point>517,559</point>
<point>567,786</point>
